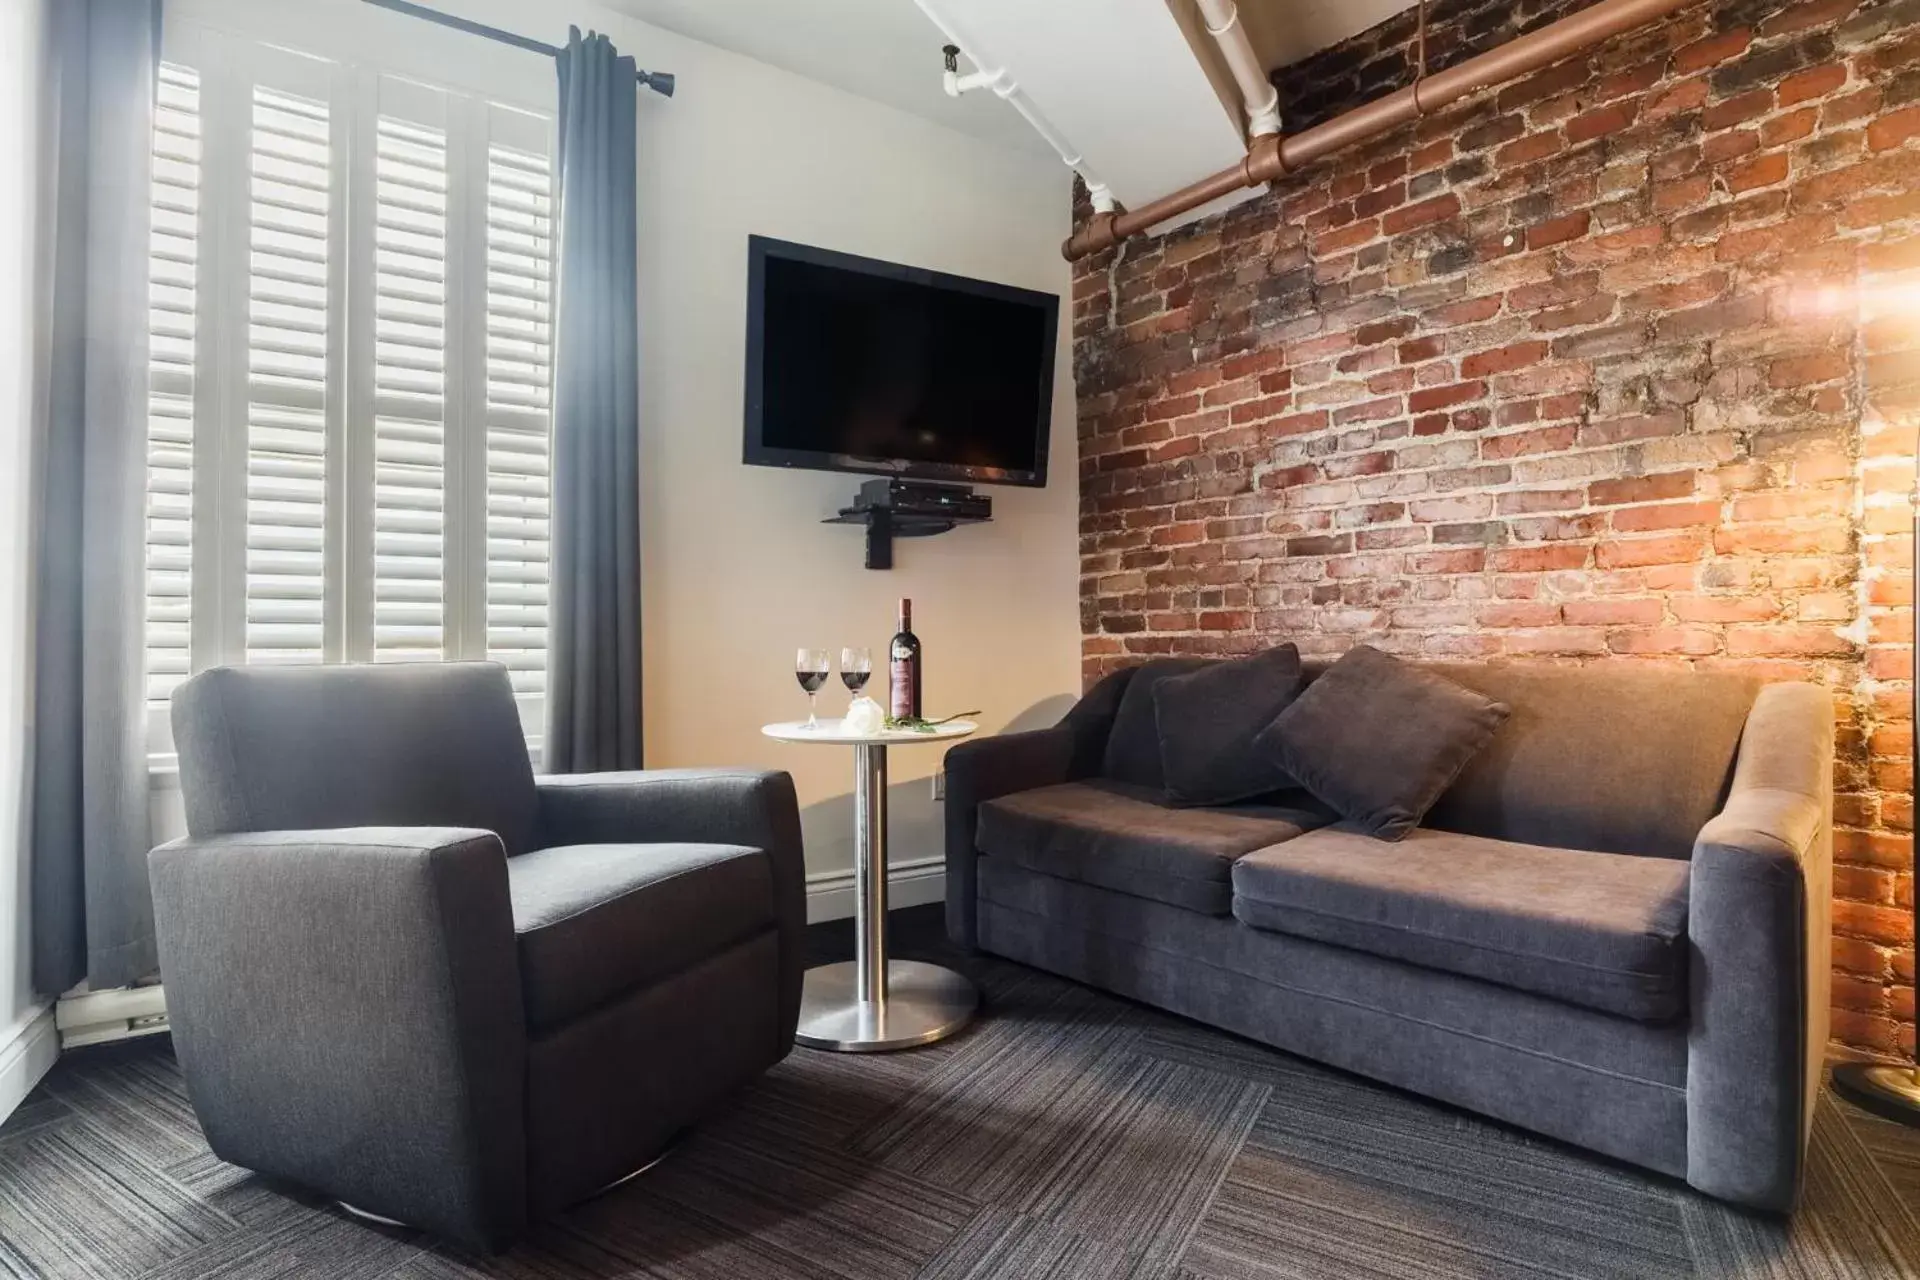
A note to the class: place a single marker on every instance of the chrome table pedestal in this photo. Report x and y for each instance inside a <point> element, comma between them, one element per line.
<point>873,1003</point>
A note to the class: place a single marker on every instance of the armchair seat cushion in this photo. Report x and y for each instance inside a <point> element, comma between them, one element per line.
<point>1603,930</point>
<point>594,921</point>
<point>1118,836</point>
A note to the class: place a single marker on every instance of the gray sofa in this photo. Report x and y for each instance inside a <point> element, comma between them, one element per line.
<point>403,971</point>
<point>1612,929</point>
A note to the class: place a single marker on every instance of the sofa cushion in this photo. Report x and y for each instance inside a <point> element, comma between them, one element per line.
<point>594,921</point>
<point>1208,720</point>
<point>1119,837</point>
<point>1603,930</point>
<point>1617,758</point>
<point>1133,744</point>
<point>1379,739</point>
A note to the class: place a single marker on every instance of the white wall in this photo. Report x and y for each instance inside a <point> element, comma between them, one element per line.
<point>738,571</point>
<point>26,1043</point>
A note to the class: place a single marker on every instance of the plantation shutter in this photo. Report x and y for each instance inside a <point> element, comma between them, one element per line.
<point>409,392</point>
<point>174,255</point>
<point>518,398</point>
<point>290,297</point>
<point>349,390</point>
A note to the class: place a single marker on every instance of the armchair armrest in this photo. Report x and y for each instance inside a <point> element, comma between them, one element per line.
<point>347,1005</point>
<point>1759,919</point>
<point>986,768</point>
<point>720,806</point>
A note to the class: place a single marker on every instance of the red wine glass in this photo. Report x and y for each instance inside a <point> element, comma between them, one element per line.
<point>811,667</point>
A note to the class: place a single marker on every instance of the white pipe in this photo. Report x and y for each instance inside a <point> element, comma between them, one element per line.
<point>1007,90</point>
<point>1261,99</point>
<point>957,84</point>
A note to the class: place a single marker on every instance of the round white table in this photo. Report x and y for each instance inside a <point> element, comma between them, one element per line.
<point>873,1003</point>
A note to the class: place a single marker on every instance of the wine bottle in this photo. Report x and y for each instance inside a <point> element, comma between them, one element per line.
<point>903,659</point>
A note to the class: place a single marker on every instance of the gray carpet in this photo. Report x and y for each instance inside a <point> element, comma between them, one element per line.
<point>1068,1135</point>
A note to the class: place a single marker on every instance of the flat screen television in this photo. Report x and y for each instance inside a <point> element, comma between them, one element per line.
<point>859,365</point>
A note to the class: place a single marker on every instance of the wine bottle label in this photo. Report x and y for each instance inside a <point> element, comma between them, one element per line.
<point>902,690</point>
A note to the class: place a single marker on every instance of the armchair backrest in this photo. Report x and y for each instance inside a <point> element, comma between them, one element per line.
<point>398,744</point>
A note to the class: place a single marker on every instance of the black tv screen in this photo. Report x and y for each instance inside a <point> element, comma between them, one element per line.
<point>859,365</point>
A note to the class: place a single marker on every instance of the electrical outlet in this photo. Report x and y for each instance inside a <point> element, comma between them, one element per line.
<point>940,786</point>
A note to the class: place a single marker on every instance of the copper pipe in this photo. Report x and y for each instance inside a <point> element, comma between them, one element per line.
<point>1272,157</point>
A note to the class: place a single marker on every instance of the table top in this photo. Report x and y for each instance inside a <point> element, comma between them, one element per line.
<point>834,733</point>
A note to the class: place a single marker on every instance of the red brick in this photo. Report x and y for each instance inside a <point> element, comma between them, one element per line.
<point>1893,129</point>
<point>1558,230</point>
<point>1763,172</point>
<point>1714,49</point>
<point>1748,106</point>
<point>1440,397</point>
<point>1662,641</point>
<point>1502,359</point>
<point>1815,82</point>
<point>1806,642</point>
<point>1667,515</point>
<point>1406,218</point>
<point>1608,613</point>
<point>1673,484</point>
<point>1741,608</point>
<point>1668,549</point>
<point>1799,371</point>
<point>1599,123</point>
<point>1791,127</point>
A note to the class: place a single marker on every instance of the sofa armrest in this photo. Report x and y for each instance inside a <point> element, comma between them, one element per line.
<point>346,1009</point>
<point>1759,919</point>
<point>750,807</point>
<point>981,770</point>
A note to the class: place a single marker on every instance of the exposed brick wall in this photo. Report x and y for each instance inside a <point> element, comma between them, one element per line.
<point>1619,363</point>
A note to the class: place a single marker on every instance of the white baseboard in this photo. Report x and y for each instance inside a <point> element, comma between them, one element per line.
<point>28,1051</point>
<point>910,883</point>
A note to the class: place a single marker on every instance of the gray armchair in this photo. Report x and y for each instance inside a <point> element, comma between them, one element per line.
<point>406,973</point>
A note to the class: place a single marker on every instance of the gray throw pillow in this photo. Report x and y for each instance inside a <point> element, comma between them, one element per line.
<point>1379,739</point>
<point>1133,744</point>
<point>1208,720</point>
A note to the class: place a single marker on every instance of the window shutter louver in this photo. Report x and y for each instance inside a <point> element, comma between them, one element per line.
<point>172,263</point>
<point>518,407</point>
<point>410,455</point>
<point>349,381</point>
<point>287,387</point>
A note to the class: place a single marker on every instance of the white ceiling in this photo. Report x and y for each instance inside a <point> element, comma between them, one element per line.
<point>888,50</point>
<point>885,50</point>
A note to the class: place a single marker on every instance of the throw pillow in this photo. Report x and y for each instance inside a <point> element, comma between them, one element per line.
<point>1208,720</point>
<point>1133,744</point>
<point>1379,739</point>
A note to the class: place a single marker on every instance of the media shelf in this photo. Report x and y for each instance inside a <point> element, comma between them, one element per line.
<point>896,508</point>
<point>884,525</point>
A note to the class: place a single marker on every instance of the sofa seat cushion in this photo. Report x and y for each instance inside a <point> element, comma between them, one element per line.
<point>1118,836</point>
<point>594,921</point>
<point>1604,930</point>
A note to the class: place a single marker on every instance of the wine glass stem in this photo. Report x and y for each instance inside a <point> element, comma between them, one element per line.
<point>813,700</point>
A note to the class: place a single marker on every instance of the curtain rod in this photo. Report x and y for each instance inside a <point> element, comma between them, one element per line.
<point>661,82</point>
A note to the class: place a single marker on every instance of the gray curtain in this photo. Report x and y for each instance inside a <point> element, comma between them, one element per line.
<point>92,912</point>
<point>593,656</point>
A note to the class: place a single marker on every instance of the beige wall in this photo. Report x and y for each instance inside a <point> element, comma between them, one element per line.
<point>738,570</point>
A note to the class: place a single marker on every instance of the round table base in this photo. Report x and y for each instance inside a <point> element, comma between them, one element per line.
<point>924,1003</point>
